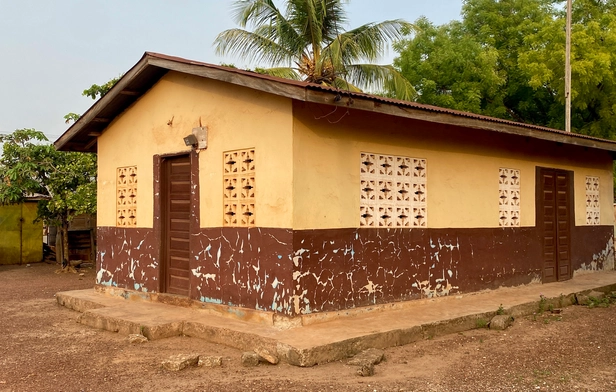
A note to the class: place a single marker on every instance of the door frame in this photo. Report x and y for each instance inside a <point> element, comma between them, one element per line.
<point>158,226</point>
<point>540,222</point>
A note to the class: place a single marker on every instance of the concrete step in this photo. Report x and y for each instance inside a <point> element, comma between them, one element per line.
<point>329,338</point>
<point>134,320</point>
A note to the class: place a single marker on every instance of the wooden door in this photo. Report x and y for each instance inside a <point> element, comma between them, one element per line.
<point>554,220</point>
<point>175,215</point>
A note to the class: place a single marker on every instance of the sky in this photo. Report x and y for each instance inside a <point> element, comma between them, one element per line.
<point>50,51</point>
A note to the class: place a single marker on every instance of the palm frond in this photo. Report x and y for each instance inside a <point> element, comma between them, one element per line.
<point>280,72</point>
<point>317,20</point>
<point>335,20</point>
<point>293,43</point>
<point>267,20</point>
<point>252,47</point>
<point>344,84</point>
<point>255,12</point>
<point>367,42</point>
<point>382,79</point>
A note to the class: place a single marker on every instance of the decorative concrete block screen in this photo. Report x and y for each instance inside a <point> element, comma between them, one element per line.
<point>509,197</point>
<point>239,188</point>
<point>593,208</point>
<point>126,196</point>
<point>392,191</point>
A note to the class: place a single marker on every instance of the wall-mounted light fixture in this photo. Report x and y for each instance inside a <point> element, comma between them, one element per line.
<point>197,139</point>
<point>191,140</point>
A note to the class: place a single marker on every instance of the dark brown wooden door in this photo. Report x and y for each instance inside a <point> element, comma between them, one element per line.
<point>176,224</point>
<point>554,219</point>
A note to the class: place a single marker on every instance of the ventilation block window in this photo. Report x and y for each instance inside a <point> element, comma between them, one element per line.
<point>509,197</point>
<point>392,191</point>
<point>126,196</point>
<point>239,188</point>
<point>593,208</point>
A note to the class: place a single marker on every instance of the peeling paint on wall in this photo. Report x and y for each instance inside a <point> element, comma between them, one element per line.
<point>243,267</point>
<point>127,258</point>
<point>592,249</point>
<point>346,268</point>
<point>601,261</point>
<point>307,271</point>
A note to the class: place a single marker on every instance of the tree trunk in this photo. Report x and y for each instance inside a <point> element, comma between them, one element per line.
<point>65,259</point>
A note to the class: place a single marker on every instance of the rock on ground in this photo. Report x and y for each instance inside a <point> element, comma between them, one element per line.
<point>501,322</point>
<point>137,338</point>
<point>250,358</point>
<point>596,294</point>
<point>266,356</point>
<point>181,361</point>
<point>372,356</point>
<point>366,370</point>
<point>584,299</point>
<point>210,361</point>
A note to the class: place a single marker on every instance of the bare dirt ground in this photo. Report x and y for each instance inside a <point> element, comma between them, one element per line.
<point>42,348</point>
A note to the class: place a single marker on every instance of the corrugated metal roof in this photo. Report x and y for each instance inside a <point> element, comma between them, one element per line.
<point>81,136</point>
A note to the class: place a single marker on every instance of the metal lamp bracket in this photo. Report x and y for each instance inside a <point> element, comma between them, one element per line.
<point>201,135</point>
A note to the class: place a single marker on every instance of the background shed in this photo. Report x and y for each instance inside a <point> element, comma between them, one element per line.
<point>21,239</point>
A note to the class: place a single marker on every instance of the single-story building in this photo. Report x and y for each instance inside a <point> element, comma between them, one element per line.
<point>234,188</point>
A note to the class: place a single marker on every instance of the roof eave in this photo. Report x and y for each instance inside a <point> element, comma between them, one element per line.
<point>444,118</point>
<point>93,114</point>
<point>82,135</point>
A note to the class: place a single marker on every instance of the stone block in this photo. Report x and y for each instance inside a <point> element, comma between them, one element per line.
<point>371,356</point>
<point>366,370</point>
<point>250,359</point>
<point>596,295</point>
<point>210,361</point>
<point>582,299</point>
<point>180,361</point>
<point>136,338</point>
<point>266,355</point>
<point>501,322</point>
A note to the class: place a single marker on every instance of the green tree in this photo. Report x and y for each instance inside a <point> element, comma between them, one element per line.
<point>307,43</point>
<point>477,60</point>
<point>29,165</point>
<point>95,92</point>
<point>593,66</point>
<point>449,68</point>
<point>506,59</point>
<point>504,26</point>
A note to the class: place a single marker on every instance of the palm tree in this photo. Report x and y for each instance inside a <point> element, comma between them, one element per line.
<point>308,42</point>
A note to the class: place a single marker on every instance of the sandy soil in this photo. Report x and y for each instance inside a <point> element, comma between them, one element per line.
<point>42,348</point>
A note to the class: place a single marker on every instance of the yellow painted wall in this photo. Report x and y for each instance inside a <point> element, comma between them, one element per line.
<point>30,234</point>
<point>236,117</point>
<point>307,158</point>
<point>462,168</point>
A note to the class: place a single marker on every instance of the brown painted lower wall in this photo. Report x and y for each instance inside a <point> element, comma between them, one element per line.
<point>346,268</point>
<point>127,258</point>
<point>306,271</point>
<point>592,248</point>
<point>247,267</point>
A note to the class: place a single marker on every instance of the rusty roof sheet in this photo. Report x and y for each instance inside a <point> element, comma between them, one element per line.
<point>81,136</point>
